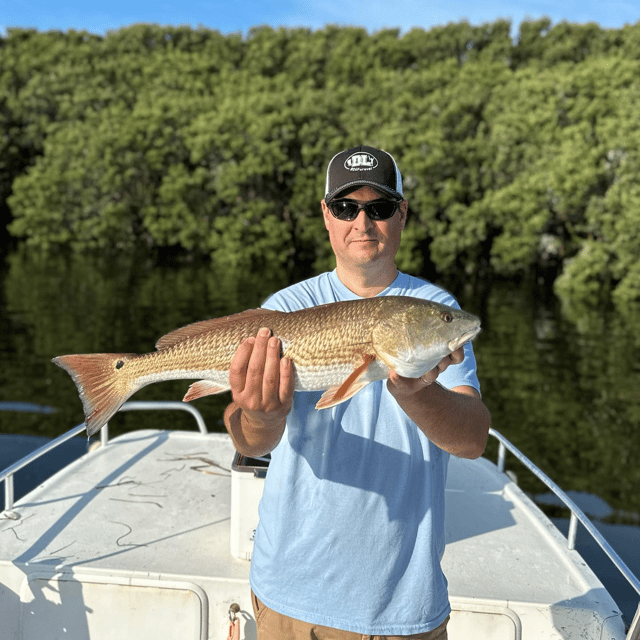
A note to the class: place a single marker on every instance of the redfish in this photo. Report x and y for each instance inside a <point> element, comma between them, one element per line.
<point>338,348</point>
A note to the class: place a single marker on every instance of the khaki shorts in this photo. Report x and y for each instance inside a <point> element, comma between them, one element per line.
<point>275,626</point>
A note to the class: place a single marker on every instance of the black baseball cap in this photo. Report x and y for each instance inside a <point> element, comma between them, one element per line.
<point>363,166</point>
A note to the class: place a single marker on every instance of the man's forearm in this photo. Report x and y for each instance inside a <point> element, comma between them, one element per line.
<point>252,436</point>
<point>456,420</point>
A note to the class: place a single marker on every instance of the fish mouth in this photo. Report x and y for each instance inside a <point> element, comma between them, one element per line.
<point>454,345</point>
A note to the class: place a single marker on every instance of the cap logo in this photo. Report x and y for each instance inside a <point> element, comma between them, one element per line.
<point>360,162</point>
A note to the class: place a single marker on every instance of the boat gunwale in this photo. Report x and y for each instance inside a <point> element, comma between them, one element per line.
<point>577,515</point>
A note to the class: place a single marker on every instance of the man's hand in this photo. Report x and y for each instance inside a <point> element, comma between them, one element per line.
<point>455,419</point>
<point>400,386</point>
<point>261,381</point>
<point>262,385</point>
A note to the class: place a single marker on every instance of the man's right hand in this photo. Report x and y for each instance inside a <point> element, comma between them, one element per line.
<point>262,385</point>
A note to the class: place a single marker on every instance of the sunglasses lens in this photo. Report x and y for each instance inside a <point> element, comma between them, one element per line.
<point>344,209</point>
<point>348,209</point>
<point>381,209</point>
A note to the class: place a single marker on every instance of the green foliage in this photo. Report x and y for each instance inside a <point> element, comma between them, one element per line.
<point>516,156</point>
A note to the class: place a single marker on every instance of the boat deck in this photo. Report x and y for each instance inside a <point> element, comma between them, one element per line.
<point>141,527</point>
<point>502,551</point>
<point>134,503</point>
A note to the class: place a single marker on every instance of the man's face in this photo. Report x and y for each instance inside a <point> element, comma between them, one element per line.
<point>362,241</point>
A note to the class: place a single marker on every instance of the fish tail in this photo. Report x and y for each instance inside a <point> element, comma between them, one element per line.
<point>104,384</point>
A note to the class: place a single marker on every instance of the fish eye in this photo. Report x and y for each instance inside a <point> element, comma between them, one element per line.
<point>447,317</point>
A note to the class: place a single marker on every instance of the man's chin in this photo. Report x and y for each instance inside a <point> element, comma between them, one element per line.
<point>364,253</point>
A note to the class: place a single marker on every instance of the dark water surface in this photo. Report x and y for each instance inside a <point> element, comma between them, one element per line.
<point>561,384</point>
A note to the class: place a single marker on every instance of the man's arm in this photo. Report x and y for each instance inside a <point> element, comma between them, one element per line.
<point>262,385</point>
<point>454,419</point>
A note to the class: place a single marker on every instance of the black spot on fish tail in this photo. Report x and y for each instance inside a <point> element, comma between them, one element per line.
<point>101,389</point>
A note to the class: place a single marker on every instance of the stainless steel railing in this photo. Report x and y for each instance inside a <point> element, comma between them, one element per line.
<point>577,515</point>
<point>7,474</point>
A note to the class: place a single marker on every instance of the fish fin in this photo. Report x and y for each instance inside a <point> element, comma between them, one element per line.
<point>102,388</point>
<point>204,388</point>
<point>195,329</point>
<point>348,388</point>
<point>331,397</point>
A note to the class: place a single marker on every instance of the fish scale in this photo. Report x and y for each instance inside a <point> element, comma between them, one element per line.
<point>338,348</point>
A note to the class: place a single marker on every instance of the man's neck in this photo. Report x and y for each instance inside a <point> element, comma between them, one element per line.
<point>367,282</point>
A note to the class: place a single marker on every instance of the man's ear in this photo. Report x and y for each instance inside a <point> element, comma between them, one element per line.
<point>325,211</point>
<point>403,207</point>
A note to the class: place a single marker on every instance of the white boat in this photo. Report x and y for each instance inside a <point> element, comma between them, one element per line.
<point>148,536</point>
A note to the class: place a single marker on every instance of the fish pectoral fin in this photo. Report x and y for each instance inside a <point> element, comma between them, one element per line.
<point>203,388</point>
<point>332,397</point>
<point>348,388</point>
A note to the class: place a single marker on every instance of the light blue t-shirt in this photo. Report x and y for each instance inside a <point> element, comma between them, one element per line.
<point>351,526</point>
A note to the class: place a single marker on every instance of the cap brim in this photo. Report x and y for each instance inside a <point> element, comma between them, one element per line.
<point>357,184</point>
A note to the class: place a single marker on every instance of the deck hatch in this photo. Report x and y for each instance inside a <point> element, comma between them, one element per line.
<point>103,608</point>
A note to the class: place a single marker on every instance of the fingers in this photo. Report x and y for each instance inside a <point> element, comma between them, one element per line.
<point>453,358</point>
<point>256,365</point>
<point>401,386</point>
<point>406,386</point>
<point>270,381</point>
<point>457,356</point>
<point>287,381</point>
<point>260,379</point>
<point>238,365</point>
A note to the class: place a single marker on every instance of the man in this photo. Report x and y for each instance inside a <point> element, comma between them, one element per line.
<point>352,518</point>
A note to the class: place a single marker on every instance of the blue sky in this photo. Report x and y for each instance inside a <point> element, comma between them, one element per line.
<point>99,16</point>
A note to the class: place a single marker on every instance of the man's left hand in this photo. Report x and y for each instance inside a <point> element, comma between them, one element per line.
<point>400,386</point>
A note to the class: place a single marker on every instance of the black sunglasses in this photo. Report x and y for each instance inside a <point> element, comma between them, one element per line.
<point>348,210</point>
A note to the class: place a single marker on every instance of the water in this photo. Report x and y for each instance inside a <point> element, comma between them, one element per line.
<point>561,384</point>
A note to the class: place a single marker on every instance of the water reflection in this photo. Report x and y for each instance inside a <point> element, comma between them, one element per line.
<point>73,304</point>
<point>562,384</point>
